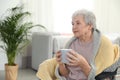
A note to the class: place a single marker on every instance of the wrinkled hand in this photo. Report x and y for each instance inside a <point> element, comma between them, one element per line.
<point>76,59</point>
<point>62,68</point>
<point>58,57</point>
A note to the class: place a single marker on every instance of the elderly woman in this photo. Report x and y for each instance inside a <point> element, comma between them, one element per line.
<point>91,52</point>
<point>89,56</point>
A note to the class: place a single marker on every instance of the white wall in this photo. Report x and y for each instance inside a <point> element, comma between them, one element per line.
<point>3,59</point>
<point>4,5</point>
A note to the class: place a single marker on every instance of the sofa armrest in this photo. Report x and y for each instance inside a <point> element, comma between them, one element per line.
<point>41,48</point>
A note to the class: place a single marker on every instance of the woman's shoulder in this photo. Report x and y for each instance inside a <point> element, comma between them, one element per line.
<point>105,40</point>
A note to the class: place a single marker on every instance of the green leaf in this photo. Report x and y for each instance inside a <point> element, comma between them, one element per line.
<point>14,32</point>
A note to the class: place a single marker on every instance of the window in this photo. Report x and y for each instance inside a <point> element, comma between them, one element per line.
<point>63,10</point>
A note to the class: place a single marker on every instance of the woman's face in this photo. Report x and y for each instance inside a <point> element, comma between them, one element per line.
<point>79,27</point>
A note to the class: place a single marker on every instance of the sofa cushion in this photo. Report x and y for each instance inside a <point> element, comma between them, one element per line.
<point>114,37</point>
<point>59,42</point>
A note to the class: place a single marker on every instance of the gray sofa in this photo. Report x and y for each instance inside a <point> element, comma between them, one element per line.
<point>44,45</point>
<point>41,48</point>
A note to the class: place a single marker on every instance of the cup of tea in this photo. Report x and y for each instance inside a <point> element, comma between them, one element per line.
<point>64,53</point>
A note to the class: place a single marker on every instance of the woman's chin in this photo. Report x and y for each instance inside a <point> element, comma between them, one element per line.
<point>76,35</point>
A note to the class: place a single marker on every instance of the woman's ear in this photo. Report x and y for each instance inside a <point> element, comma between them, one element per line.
<point>90,27</point>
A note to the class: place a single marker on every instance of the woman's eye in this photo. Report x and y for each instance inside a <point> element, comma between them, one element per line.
<point>72,23</point>
<point>78,23</point>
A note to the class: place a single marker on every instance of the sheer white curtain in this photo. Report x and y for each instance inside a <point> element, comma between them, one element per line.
<point>41,12</point>
<point>55,15</point>
<point>108,15</point>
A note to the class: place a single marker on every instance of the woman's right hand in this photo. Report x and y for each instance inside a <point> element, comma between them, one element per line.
<point>58,57</point>
<point>62,67</point>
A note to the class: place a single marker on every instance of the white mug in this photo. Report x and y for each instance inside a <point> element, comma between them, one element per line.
<point>64,55</point>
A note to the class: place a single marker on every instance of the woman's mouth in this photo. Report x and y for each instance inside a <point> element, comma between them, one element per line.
<point>75,31</point>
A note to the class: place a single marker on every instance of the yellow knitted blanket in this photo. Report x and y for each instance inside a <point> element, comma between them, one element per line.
<point>106,56</point>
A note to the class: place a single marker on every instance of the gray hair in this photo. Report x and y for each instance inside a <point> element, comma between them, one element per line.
<point>88,16</point>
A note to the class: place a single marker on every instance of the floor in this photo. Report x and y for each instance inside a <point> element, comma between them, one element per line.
<point>118,76</point>
<point>23,74</point>
<point>29,74</point>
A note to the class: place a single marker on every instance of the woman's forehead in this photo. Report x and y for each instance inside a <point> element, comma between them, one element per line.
<point>78,18</point>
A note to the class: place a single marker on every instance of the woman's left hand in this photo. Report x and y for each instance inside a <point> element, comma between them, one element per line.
<point>76,59</point>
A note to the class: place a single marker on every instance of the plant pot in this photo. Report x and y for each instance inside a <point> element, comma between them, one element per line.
<point>11,72</point>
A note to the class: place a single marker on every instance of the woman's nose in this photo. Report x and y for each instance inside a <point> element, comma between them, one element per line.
<point>74,26</point>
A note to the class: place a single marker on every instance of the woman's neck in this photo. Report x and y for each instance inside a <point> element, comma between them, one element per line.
<point>87,37</point>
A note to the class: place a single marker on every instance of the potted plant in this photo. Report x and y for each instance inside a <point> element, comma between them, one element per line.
<point>14,35</point>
